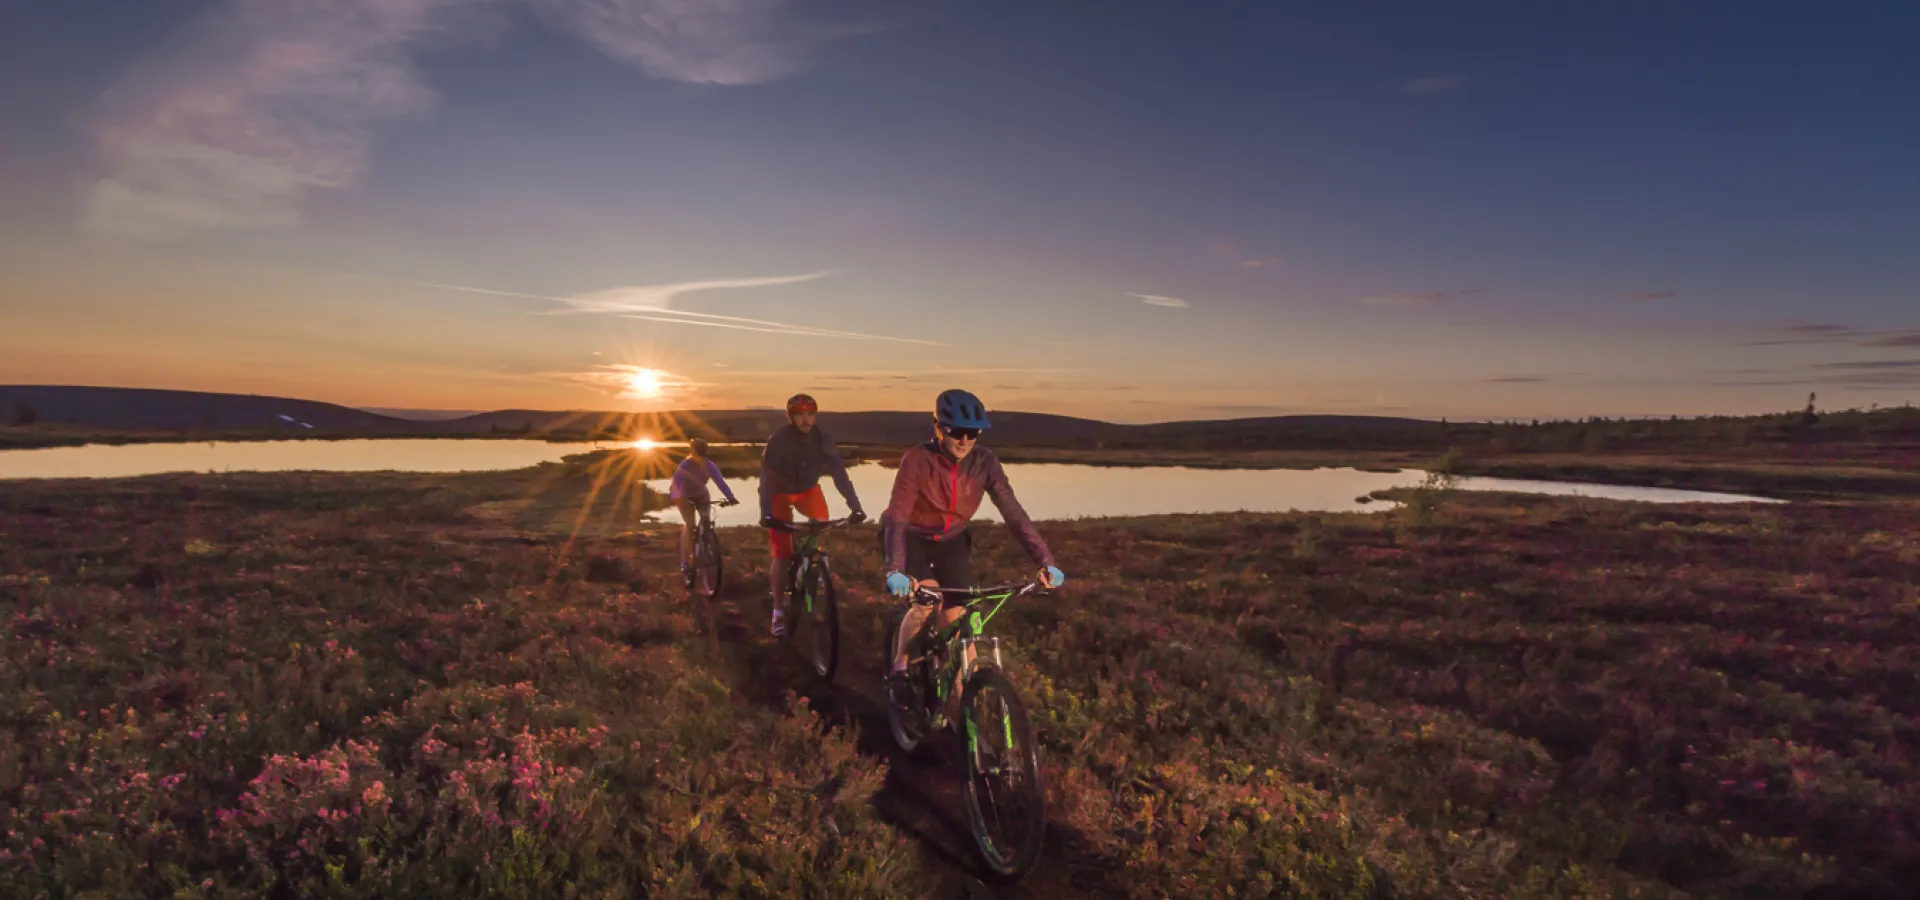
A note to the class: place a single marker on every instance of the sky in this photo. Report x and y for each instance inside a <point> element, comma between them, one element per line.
<point>1132,211</point>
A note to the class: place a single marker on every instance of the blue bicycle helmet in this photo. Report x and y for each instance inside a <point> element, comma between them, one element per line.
<point>960,409</point>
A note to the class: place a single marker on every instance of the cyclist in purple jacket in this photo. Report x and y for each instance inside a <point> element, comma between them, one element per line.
<point>690,487</point>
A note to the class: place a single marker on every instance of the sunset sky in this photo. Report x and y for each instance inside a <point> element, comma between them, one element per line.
<point>1124,210</point>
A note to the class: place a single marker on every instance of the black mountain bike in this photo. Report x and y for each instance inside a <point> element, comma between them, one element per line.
<point>703,572</point>
<point>812,603</point>
<point>1006,801</point>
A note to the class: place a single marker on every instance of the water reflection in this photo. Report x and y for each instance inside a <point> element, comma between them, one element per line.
<point>1057,491</point>
<point>1048,490</point>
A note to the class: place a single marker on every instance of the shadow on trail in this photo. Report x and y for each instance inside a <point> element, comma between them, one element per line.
<point>922,795</point>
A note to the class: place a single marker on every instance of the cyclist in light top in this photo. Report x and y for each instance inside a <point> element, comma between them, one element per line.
<point>938,489</point>
<point>690,487</point>
<point>790,469</point>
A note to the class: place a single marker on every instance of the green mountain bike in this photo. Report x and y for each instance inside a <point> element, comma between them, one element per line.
<point>703,571</point>
<point>812,602</point>
<point>1000,760</point>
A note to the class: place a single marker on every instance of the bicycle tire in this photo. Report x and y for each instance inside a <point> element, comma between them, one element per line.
<point>1008,852</point>
<point>708,571</point>
<point>907,714</point>
<point>822,647</point>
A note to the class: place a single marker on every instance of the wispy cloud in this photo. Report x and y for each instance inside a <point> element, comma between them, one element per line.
<point>1868,374</point>
<point>1155,300</point>
<point>1893,339</point>
<point>1532,378</point>
<point>1260,262</point>
<point>1809,333</point>
<point>263,101</point>
<point>727,42</point>
<point>1412,301</point>
<point>1872,364</point>
<point>1827,333</point>
<point>658,297</point>
<point>1434,84</point>
<point>1651,295</point>
<point>649,303</point>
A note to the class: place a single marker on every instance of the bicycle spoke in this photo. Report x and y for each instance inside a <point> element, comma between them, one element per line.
<point>1003,794</point>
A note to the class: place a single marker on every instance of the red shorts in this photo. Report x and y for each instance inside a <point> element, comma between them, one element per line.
<point>810,502</point>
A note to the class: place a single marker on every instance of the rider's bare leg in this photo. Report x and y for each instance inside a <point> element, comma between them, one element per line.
<point>686,530</point>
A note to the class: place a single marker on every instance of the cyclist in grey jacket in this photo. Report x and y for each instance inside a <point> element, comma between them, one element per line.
<point>797,455</point>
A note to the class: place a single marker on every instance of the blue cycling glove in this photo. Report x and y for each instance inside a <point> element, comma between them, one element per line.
<point>1056,577</point>
<point>899,585</point>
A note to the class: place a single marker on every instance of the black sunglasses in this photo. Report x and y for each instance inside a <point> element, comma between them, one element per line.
<point>960,434</point>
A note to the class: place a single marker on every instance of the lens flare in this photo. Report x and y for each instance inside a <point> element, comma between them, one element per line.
<point>644,383</point>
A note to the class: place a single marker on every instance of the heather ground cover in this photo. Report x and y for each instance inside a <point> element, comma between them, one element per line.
<point>387,685</point>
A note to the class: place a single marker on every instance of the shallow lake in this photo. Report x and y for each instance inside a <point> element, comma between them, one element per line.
<point>1048,491</point>
<point>1060,491</point>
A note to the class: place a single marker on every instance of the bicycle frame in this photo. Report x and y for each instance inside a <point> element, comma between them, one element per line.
<point>813,543</point>
<point>961,637</point>
<point>811,547</point>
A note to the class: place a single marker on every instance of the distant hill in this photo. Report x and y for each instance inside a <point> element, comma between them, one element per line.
<point>193,411</point>
<point>882,427</point>
<point>140,408</point>
<point>421,415</point>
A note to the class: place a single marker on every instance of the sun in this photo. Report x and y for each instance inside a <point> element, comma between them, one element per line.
<point>644,383</point>
<point>644,444</point>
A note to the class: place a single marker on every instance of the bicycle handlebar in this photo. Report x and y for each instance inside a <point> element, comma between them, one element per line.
<point>822,525</point>
<point>711,502</point>
<point>1011,589</point>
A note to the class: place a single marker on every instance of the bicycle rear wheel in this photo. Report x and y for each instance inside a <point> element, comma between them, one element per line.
<point>1006,801</point>
<point>819,611</point>
<point>906,709</point>
<point>706,564</point>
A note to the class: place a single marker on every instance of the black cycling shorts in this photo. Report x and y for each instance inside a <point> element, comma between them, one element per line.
<point>949,562</point>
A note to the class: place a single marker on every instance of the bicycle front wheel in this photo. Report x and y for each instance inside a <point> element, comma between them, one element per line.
<point>707,568</point>
<point>1006,801</point>
<point>820,612</point>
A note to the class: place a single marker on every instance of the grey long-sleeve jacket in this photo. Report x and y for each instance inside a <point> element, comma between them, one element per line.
<point>793,462</point>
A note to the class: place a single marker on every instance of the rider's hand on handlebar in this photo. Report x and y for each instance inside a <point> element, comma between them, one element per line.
<point>899,585</point>
<point>773,523</point>
<point>856,518</point>
<point>1051,577</point>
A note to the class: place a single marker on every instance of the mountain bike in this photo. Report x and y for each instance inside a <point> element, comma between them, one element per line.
<point>1006,801</point>
<point>812,602</point>
<point>703,571</point>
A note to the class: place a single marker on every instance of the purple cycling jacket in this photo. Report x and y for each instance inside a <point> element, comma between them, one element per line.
<point>934,496</point>
<point>691,477</point>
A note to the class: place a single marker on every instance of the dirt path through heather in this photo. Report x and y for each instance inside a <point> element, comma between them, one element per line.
<point>922,797</point>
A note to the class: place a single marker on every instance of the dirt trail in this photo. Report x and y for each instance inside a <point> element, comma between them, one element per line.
<point>922,797</point>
